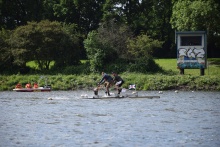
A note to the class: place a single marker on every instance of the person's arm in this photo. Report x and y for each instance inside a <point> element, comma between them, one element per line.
<point>113,78</point>
<point>102,80</point>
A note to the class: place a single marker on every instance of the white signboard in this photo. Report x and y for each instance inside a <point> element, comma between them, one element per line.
<point>191,50</point>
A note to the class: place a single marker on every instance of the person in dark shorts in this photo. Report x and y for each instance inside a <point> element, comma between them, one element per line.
<point>108,81</point>
<point>118,81</point>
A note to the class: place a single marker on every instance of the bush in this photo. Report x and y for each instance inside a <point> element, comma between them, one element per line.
<point>106,45</point>
<point>144,65</point>
<point>79,69</point>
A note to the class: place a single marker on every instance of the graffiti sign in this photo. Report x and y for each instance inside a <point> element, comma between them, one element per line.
<point>191,50</point>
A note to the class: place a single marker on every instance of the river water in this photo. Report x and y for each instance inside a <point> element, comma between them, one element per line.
<point>175,119</point>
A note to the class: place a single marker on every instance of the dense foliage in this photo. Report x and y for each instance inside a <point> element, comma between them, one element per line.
<point>42,42</point>
<point>142,81</point>
<point>203,13</point>
<point>169,79</point>
<point>64,31</point>
<point>199,15</point>
<point>107,44</point>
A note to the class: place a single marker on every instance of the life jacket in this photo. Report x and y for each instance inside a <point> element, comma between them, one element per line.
<point>35,85</point>
<point>18,86</point>
<point>28,85</point>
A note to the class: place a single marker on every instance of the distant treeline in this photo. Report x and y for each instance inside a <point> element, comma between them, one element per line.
<point>103,31</point>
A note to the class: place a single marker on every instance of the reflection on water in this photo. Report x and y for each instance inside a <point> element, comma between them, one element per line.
<point>176,119</point>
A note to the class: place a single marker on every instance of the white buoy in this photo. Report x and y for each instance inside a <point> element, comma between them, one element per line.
<point>135,93</point>
<point>176,91</point>
<point>192,91</point>
<point>84,95</point>
<point>160,92</point>
<point>50,98</point>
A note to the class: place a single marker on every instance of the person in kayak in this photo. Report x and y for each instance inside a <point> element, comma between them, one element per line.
<point>35,85</point>
<point>108,81</point>
<point>28,85</point>
<point>118,81</point>
<point>18,86</point>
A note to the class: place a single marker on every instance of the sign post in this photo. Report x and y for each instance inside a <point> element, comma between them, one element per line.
<point>191,50</point>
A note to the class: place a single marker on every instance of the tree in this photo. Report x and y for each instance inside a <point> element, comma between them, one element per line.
<point>107,44</point>
<point>115,35</point>
<point>85,13</point>
<point>6,58</point>
<point>151,17</point>
<point>17,12</point>
<point>49,10</point>
<point>70,46</point>
<point>160,27</point>
<point>94,51</point>
<point>141,49</point>
<point>142,46</point>
<point>196,15</point>
<point>44,42</point>
<point>199,15</point>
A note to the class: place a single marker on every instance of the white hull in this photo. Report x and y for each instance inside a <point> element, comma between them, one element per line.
<point>40,89</point>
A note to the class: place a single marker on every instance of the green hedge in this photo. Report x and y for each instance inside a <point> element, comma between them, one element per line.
<point>142,81</point>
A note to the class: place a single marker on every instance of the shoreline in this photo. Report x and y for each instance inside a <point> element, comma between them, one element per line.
<point>143,82</point>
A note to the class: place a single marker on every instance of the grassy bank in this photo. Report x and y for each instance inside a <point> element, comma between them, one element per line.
<point>170,65</point>
<point>161,81</point>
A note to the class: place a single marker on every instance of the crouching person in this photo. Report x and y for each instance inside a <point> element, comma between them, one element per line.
<point>108,82</point>
<point>118,82</point>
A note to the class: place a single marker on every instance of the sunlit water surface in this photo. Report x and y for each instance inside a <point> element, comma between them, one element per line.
<point>174,119</point>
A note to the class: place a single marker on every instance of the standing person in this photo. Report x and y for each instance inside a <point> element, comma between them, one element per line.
<point>118,81</point>
<point>107,80</point>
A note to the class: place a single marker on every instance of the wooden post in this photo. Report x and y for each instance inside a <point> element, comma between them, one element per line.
<point>182,71</point>
<point>202,71</point>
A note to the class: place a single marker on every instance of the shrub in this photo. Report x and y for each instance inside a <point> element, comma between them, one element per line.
<point>79,69</point>
<point>144,65</point>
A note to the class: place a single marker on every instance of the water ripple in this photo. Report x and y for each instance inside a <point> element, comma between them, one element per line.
<point>176,119</point>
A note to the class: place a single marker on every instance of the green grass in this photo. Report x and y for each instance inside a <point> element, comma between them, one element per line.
<point>170,66</point>
<point>32,64</point>
<point>84,61</point>
<point>168,80</point>
<point>213,67</point>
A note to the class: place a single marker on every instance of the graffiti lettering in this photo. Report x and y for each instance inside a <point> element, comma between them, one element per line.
<point>192,53</point>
